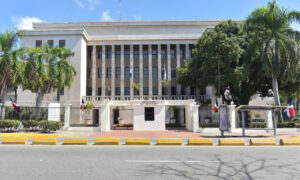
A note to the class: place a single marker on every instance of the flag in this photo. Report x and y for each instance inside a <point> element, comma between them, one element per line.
<point>165,73</point>
<point>14,104</point>
<point>216,106</point>
<point>131,71</point>
<point>83,106</point>
<point>290,111</point>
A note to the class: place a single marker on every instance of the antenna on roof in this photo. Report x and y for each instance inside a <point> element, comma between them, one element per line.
<point>120,9</point>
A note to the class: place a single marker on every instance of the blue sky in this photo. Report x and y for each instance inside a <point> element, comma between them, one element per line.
<point>21,13</point>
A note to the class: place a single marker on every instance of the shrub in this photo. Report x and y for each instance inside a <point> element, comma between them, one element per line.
<point>32,124</point>
<point>9,124</point>
<point>49,125</point>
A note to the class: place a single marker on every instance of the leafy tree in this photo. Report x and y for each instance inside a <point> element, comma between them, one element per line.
<point>8,63</point>
<point>275,40</point>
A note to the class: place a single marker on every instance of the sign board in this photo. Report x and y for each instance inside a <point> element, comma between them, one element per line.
<point>54,112</point>
<point>223,118</point>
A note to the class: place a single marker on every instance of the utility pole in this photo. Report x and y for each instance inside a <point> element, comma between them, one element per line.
<point>120,9</point>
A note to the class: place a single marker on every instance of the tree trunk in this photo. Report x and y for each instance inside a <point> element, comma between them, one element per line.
<point>58,95</point>
<point>3,100</point>
<point>276,97</point>
<point>16,94</point>
<point>38,104</point>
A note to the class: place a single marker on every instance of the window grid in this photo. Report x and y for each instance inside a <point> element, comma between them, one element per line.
<point>108,72</point>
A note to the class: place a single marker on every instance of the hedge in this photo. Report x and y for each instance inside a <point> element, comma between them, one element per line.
<point>9,124</point>
<point>49,125</point>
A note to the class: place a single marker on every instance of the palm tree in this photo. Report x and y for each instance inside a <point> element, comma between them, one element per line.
<point>275,41</point>
<point>8,63</point>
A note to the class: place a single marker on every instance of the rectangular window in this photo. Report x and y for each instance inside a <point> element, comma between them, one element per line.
<point>154,92</point>
<point>118,54</point>
<point>38,43</point>
<point>99,91</point>
<point>118,91</point>
<point>163,54</point>
<point>100,54</point>
<point>136,72</point>
<point>172,54</point>
<point>62,92</point>
<point>192,91</point>
<point>182,91</point>
<point>173,72</point>
<point>146,91</point>
<point>163,74</point>
<point>164,90</point>
<point>149,113</point>
<point>62,43</point>
<point>108,74</point>
<point>50,43</point>
<point>136,54</point>
<point>127,72</point>
<point>154,54</point>
<point>89,91</point>
<point>145,72</point>
<point>127,91</point>
<point>145,54</point>
<point>173,91</point>
<point>154,72</point>
<point>118,72</point>
<point>108,54</point>
<point>181,54</point>
<point>127,54</point>
<point>136,92</point>
<point>100,72</point>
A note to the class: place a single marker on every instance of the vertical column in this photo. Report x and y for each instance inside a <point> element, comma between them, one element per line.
<point>103,70</point>
<point>141,70</point>
<point>178,65</point>
<point>150,69</point>
<point>67,116</point>
<point>113,71</point>
<point>187,57</point>
<point>94,71</point>
<point>122,70</point>
<point>131,66</point>
<point>159,69</point>
<point>169,67</point>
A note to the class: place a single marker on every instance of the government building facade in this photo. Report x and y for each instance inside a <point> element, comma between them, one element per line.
<point>127,69</point>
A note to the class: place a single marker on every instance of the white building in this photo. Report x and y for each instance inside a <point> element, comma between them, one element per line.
<point>112,56</point>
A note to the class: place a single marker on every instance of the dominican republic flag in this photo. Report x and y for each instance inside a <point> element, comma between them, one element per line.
<point>82,104</point>
<point>165,73</point>
<point>216,106</point>
<point>290,111</point>
<point>14,104</point>
<point>131,71</point>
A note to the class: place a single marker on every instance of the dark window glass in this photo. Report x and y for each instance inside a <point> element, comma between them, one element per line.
<point>118,54</point>
<point>181,54</point>
<point>100,72</point>
<point>136,72</point>
<point>118,72</point>
<point>127,91</point>
<point>62,43</point>
<point>89,91</point>
<point>173,72</point>
<point>38,43</point>
<point>164,90</point>
<point>127,54</point>
<point>108,54</point>
<point>50,43</point>
<point>145,54</point>
<point>136,92</point>
<point>191,53</point>
<point>154,72</point>
<point>146,91</point>
<point>62,92</point>
<point>192,91</point>
<point>154,54</point>
<point>173,91</point>
<point>136,54</point>
<point>127,72</point>
<point>154,92</point>
<point>182,91</point>
<point>118,92</point>
<point>108,74</point>
<point>172,54</point>
<point>99,91</point>
<point>145,72</point>
<point>149,113</point>
<point>100,54</point>
<point>163,54</point>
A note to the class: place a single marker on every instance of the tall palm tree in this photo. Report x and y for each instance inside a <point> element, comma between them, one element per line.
<point>275,41</point>
<point>8,63</point>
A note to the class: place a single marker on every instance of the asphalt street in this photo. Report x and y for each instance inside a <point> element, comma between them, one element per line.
<point>148,162</point>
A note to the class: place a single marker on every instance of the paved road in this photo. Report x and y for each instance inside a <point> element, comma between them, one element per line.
<point>152,162</point>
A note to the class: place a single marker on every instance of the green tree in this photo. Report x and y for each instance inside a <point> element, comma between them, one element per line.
<point>8,63</point>
<point>275,40</point>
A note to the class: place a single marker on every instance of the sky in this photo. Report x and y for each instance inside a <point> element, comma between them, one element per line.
<point>21,13</point>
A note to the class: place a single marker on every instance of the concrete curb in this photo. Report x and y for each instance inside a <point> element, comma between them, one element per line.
<point>106,141</point>
<point>262,142</point>
<point>200,142</point>
<point>231,142</point>
<point>75,141</point>
<point>29,135</point>
<point>165,141</point>
<point>290,142</point>
<point>137,141</point>
<point>44,141</point>
<point>14,141</point>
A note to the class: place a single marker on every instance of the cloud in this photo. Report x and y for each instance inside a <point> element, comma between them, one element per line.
<point>25,23</point>
<point>89,4</point>
<point>106,16</point>
<point>296,26</point>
